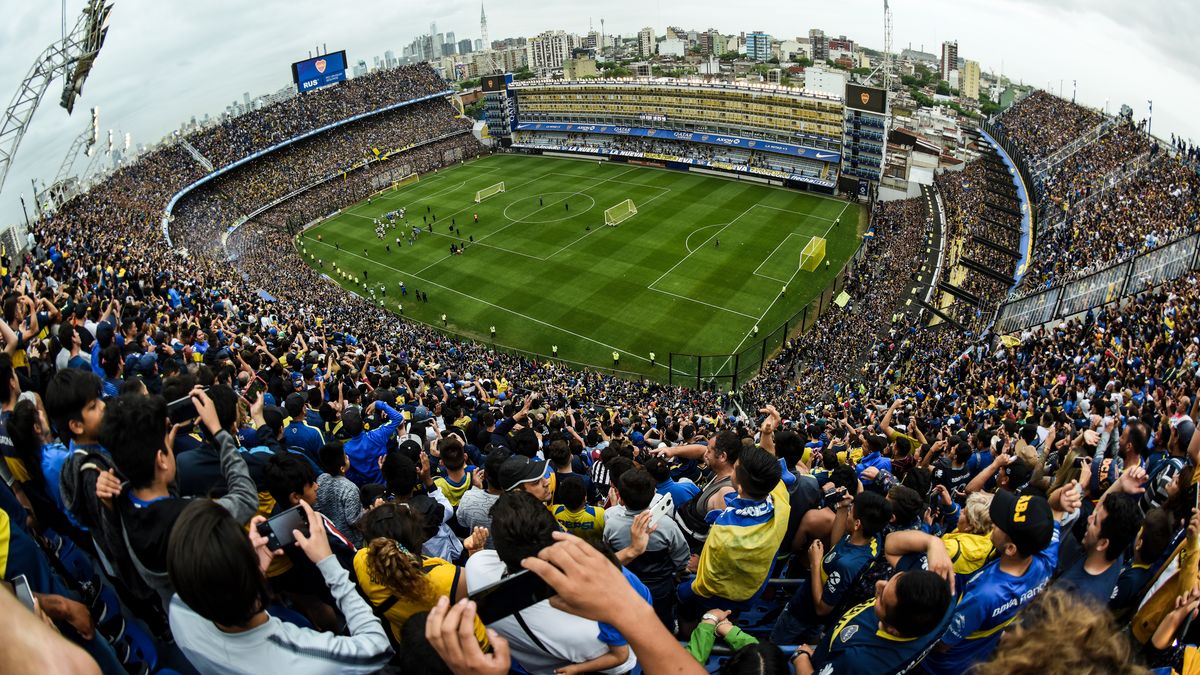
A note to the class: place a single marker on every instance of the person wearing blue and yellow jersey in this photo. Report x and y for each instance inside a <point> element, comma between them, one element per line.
<point>833,574</point>
<point>397,580</point>
<point>1025,531</point>
<point>299,433</point>
<point>455,477</point>
<point>888,635</point>
<point>743,538</point>
<point>573,512</point>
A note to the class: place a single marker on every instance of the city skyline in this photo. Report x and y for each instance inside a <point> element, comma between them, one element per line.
<point>1051,46</point>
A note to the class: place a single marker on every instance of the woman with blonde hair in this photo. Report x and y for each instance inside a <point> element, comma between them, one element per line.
<point>1062,634</point>
<point>396,578</point>
<point>970,544</point>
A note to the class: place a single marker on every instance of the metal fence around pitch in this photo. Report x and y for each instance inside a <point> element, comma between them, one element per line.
<point>1110,284</point>
<point>727,372</point>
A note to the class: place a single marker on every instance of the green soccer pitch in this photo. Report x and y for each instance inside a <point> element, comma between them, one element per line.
<point>702,262</point>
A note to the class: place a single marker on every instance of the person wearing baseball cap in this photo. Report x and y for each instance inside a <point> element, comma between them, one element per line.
<point>299,433</point>
<point>533,476</point>
<point>1025,534</point>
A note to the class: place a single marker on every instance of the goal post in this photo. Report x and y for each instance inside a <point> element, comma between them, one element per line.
<point>489,192</point>
<point>812,254</point>
<point>406,180</point>
<point>621,212</point>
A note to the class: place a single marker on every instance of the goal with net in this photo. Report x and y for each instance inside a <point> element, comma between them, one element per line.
<point>812,254</point>
<point>406,180</point>
<point>489,192</point>
<point>620,213</point>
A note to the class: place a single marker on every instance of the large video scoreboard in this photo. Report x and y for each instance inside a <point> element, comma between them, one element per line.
<point>319,72</point>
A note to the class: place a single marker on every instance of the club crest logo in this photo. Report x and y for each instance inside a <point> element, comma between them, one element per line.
<point>320,65</point>
<point>848,632</point>
<point>865,97</point>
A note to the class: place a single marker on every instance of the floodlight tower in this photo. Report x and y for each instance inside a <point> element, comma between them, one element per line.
<point>71,58</point>
<point>887,46</point>
<point>66,185</point>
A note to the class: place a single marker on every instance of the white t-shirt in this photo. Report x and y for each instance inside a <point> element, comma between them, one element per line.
<point>566,638</point>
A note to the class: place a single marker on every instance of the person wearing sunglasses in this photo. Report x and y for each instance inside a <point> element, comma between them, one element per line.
<point>533,476</point>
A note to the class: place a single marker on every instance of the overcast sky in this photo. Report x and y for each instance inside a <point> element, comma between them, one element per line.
<point>166,61</point>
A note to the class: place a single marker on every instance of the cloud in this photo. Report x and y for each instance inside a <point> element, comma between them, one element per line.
<point>165,62</point>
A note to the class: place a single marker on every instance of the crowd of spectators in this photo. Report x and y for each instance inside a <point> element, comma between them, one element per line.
<point>982,213</point>
<point>236,137</point>
<point>1041,123</point>
<point>828,358</point>
<point>165,414</point>
<point>1156,205</point>
<point>203,214</point>
<point>1111,198</point>
<point>1079,175</point>
<point>641,146</point>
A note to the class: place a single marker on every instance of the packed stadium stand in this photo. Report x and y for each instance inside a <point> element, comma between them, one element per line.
<point>890,491</point>
<point>777,132</point>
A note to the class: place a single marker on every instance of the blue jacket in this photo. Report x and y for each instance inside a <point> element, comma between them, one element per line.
<point>876,460</point>
<point>681,493</point>
<point>365,449</point>
<point>301,435</point>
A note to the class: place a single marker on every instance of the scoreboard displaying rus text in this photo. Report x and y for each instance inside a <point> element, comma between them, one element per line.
<point>320,71</point>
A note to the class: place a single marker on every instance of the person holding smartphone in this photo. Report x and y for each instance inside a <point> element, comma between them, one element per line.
<point>137,432</point>
<point>219,613</point>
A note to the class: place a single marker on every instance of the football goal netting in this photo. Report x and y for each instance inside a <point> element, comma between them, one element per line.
<point>812,254</point>
<point>620,213</point>
<point>406,180</point>
<point>489,192</point>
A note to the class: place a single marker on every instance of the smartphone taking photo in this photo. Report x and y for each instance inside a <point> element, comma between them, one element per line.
<point>278,528</point>
<point>509,596</point>
<point>661,505</point>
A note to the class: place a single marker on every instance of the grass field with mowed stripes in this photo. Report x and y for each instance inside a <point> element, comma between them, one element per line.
<point>701,263</point>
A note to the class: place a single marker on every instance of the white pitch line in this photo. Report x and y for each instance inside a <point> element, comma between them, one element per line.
<point>467,208</point>
<point>689,237</point>
<point>585,236</point>
<point>681,260</point>
<point>802,213</point>
<point>499,307</point>
<point>552,203</point>
<point>768,309</point>
<point>613,180</point>
<point>394,193</point>
<point>479,242</point>
<point>684,297</point>
<point>781,243</point>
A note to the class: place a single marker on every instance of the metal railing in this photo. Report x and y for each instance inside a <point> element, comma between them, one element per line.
<point>1104,286</point>
<point>728,372</point>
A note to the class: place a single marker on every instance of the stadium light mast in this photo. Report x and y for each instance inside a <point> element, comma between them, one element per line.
<point>65,186</point>
<point>887,46</point>
<point>886,66</point>
<point>71,58</point>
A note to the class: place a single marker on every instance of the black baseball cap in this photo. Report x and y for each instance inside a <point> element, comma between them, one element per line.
<point>1027,520</point>
<point>294,402</point>
<point>518,470</point>
<point>274,416</point>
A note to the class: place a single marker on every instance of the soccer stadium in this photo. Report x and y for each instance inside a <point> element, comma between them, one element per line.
<point>612,351</point>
